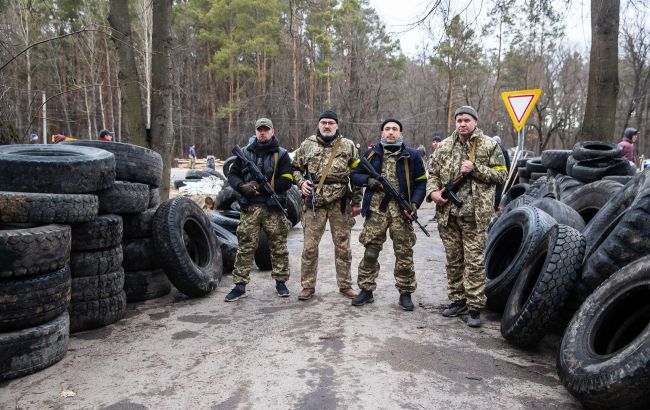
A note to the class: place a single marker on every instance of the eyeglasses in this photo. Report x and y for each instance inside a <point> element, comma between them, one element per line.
<point>327,123</point>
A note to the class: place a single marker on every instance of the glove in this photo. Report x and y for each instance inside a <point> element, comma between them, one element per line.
<point>374,185</point>
<point>250,189</point>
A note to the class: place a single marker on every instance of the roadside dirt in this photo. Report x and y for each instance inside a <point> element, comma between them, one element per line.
<point>268,352</point>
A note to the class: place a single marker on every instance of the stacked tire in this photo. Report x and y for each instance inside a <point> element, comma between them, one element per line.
<point>134,199</point>
<point>42,195</point>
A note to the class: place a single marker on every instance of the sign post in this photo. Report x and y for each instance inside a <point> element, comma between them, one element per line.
<point>519,105</point>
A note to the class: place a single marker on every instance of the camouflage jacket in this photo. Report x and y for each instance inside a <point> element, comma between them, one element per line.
<point>489,170</point>
<point>313,155</point>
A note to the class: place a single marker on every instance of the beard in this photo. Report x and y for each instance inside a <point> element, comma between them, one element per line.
<point>328,133</point>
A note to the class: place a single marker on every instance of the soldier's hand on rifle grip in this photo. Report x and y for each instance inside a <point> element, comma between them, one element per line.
<point>436,196</point>
<point>411,216</point>
<point>467,167</point>
<point>374,185</point>
<point>250,189</point>
<point>305,188</point>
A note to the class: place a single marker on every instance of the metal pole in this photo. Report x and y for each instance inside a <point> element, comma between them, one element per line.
<point>44,118</point>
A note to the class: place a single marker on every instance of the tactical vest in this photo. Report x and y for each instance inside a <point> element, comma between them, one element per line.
<point>267,163</point>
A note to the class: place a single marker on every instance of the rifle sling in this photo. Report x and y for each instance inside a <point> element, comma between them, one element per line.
<point>335,148</point>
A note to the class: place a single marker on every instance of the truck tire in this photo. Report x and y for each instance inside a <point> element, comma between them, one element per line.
<point>543,287</point>
<point>29,207</point>
<point>562,213</point>
<point>31,301</point>
<point>97,313</point>
<point>555,159</point>
<point>55,169</point>
<point>124,198</point>
<point>27,250</point>
<point>146,285</point>
<point>604,355</point>
<point>133,163</point>
<point>104,232</point>
<point>590,198</point>
<point>586,150</point>
<point>139,254</point>
<point>89,288</point>
<point>187,247</point>
<point>29,350</point>
<point>138,225</point>
<point>95,262</point>
<point>509,249</point>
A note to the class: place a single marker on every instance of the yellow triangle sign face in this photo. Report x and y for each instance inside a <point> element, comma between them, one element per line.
<point>520,104</point>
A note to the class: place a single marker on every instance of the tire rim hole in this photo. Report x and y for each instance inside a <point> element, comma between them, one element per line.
<point>622,322</point>
<point>196,243</point>
<point>508,245</point>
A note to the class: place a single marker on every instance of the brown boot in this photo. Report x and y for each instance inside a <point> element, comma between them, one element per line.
<point>306,293</point>
<point>348,293</point>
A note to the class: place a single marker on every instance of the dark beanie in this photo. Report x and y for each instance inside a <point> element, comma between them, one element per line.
<point>329,114</point>
<point>466,109</point>
<point>630,132</point>
<point>387,120</point>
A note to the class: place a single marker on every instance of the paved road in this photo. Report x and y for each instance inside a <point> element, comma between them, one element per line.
<point>267,352</point>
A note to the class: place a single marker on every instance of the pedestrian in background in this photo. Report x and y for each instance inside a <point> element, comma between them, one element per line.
<point>192,156</point>
<point>329,158</point>
<point>403,167</point>
<point>630,136</point>
<point>105,135</point>
<point>464,230</point>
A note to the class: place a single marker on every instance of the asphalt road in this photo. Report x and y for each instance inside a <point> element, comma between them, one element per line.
<point>268,352</point>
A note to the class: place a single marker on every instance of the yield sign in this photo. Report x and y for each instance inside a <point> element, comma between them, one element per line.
<point>520,104</point>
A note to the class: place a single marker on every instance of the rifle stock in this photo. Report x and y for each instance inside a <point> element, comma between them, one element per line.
<point>390,190</point>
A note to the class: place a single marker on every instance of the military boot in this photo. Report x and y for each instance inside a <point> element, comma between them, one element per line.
<point>365,296</point>
<point>405,302</point>
<point>455,308</point>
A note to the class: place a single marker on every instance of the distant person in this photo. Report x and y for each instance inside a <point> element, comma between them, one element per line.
<point>105,135</point>
<point>463,229</point>
<point>435,141</point>
<point>259,211</point>
<point>630,136</point>
<point>33,139</point>
<point>192,156</point>
<point>499,188</point>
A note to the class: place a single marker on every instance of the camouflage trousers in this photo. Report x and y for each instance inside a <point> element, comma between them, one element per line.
<point>313,228</point>
<point>275,226</point>
<point>464,243</point>
<point>373,237</point>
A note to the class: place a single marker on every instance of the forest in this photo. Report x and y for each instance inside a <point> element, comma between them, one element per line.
<point>62,70</point>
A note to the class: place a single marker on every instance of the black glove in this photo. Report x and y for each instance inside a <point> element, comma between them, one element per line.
<point>250,189</point>
<point>374,185</point>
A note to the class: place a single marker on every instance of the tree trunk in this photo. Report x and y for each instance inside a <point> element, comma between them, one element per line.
<point>600,111</point>
<point>162,128</point>
<point>131,102</point>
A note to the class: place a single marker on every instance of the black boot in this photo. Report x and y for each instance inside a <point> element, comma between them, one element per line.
<point>405,302</point>
<point>365,296</point>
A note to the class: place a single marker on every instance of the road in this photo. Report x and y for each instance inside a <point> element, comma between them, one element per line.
<point>268,352</point>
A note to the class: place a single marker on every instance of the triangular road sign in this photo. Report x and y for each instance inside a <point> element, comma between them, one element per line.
<point>519,105</point>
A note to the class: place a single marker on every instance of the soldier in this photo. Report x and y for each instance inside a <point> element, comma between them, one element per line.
<point>259,211</point>
<point>328,159</point>
<point>402,166</point>
<point>464,230</point>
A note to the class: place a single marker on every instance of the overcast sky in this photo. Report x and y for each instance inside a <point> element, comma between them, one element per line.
<point>398,14</point>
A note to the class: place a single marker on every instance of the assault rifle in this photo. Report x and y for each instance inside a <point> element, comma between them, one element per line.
<point>313,192</point>
<point>451,187</point>
<point>259,177</point>
<point>391,191</point>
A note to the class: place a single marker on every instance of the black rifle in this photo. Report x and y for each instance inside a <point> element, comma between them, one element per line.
<point>259,177</point>
<point>313,192</point>
<point>390,190</point>
<point>451,187</point>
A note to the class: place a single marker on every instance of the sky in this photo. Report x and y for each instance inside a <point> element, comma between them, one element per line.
<point>397,14</point>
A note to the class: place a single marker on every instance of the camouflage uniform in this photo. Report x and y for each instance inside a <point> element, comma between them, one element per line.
<point>464,231</point>
<point>333,203</point>
<point>378,220</point>
<point>261,212</point>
